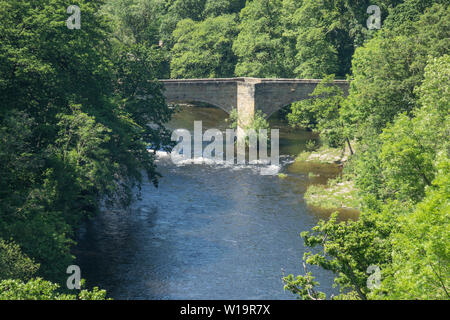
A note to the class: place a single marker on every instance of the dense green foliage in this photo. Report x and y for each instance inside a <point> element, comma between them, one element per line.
<point>321,113</point>
<point>388,68</point>
<point>420,262</point>
<point>203,49</point>
<point>259,43</point>
<point>13,263</point>
<point>396,114</point>
<point>39,289</point>
<point>398,109</point>
<point>268,38</point>
<point>77,114</point>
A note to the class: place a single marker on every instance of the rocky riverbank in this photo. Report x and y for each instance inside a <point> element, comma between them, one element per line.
<point>338,193</point>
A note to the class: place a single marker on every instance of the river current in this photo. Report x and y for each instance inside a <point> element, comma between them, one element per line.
<point>208,231</point>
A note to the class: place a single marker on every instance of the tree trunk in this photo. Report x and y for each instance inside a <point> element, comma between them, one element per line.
<point>349,146</point>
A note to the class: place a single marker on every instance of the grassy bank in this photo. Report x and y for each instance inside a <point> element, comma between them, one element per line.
<point>324,155</point>
<point>334,195</point>
<point>337,193</point>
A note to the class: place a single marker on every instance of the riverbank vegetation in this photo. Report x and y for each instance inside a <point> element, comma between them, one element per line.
<point>397,111</point>
<point>336,194</point>
<point>78,111</point>
<point>74,127</point>
<point>324,154</point>
<point>339,192</point>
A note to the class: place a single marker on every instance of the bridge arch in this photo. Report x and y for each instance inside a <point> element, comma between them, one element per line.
<point>273,109</point>
<point>221,93</point>
<point>247,95</point>
<point>273,94</point>
<point>200,101</point>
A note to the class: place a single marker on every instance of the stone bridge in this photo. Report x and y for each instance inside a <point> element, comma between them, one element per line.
<point>247,95</point>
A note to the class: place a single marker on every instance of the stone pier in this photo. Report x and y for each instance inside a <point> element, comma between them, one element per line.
<point>247,95</point>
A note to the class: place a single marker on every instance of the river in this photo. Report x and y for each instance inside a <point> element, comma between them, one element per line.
<point>208,231</point>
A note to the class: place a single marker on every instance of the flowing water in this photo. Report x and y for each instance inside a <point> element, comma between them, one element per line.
<point>208,231</point>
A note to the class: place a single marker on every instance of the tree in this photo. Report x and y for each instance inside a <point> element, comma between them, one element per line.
<point>321,113</point>
<point>347,249</point>
<point>135,21</point>
<point>315,54</point>
<point>402,158</point>
<point>203,49</point>
<point>215,8</point>
<point>388,68</point>
<point>72,128</point>
<point>401,170</point>
<point>13,263</point>
<point>259,45</point>
<point>325,34</point>
<point>39,289</point>
<point>403,16</point>
<point>421,257</point>
<point>175,11</point>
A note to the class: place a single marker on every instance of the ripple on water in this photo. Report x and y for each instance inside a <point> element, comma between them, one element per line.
<point>207,232</point>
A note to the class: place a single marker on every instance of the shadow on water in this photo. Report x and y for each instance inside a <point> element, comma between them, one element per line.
<point>207,231</point>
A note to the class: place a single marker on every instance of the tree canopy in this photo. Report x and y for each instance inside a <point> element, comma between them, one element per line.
<point>74,128</point>
<point>398,110</point>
